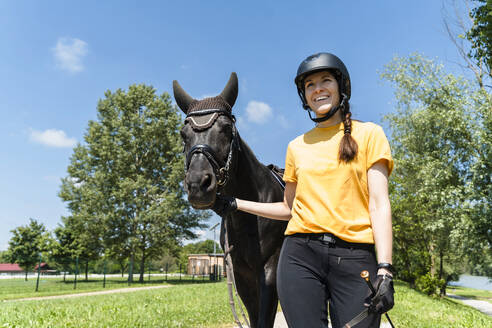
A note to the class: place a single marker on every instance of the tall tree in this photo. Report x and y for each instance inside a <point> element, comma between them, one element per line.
<point>127,176</point>
<point>27,244</point>
<point>437,145</point>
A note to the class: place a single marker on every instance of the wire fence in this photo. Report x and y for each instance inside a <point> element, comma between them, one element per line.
<point>50,282</point>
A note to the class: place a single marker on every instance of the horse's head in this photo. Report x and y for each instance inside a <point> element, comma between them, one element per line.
<point>210,140</point>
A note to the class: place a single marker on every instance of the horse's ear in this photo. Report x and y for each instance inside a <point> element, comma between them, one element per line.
<point>230,91</point>
<point>182,98</point>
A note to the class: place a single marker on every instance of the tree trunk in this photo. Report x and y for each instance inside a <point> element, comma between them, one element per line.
<point>142,267</point>
<point>433,261</point>
<point>64,274</point>
<point>442,291</point>
<point>86,270</point>
<point>441,255</point>
<point>26,276</point>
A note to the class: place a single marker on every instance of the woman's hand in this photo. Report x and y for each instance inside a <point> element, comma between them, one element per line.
<point>224,205</point>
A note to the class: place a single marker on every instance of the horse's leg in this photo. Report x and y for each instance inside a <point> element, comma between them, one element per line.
<point>247,288</point>
<point>268,294</point>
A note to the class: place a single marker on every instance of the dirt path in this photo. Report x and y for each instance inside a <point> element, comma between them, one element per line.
<point>102,292</point>
<point>482,306</point>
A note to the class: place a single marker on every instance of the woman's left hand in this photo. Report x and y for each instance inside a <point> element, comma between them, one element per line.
<point>384,300</point>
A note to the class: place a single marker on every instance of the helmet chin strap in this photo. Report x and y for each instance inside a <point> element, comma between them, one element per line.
<point>328,115</point>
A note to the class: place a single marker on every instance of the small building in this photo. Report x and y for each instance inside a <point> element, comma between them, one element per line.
<point>10,269</point>
<point>204,264</point>
<point>45,269</point>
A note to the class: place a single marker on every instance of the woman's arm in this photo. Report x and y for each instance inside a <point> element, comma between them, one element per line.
<point>275,211</point>
<point>380,212</point>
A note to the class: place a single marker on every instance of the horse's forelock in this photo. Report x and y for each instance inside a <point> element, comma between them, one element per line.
<point>209,103</point>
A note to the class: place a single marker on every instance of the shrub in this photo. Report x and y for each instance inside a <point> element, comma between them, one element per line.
<point>430,285</point>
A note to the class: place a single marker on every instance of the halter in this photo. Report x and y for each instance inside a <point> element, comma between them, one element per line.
<point>221,169</point>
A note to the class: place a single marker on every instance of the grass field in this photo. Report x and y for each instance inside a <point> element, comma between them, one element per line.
<point>19,288</point>
<point>206,305</point>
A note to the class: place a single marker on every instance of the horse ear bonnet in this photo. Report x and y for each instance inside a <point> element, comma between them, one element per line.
<point>224,101</point>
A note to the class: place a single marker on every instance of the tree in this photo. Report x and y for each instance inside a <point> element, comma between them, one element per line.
<point>480,34</point>
<point>127,176</point>
<point>437,145</point>
<point>474,44</point>
<point>3,257</point>
<point>471,33</point>
<point>61,249</point>
<point>27,244</point>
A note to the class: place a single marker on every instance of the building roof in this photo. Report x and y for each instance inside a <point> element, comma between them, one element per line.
<point>44,266</point>
<point>9,267</point>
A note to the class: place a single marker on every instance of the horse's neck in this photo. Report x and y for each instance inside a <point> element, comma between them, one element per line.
<point>248,178</point>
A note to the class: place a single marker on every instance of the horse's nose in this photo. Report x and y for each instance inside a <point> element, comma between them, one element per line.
<point>199,184</point>
<point>206,183</point>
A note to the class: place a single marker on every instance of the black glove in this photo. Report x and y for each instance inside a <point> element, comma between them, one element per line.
<point>384,300</point>
<point>224,205</point>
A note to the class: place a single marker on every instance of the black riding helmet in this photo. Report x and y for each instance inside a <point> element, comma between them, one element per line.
<point>320,62</point>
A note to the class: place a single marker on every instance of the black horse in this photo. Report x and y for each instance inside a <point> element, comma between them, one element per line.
<point>219,161</point>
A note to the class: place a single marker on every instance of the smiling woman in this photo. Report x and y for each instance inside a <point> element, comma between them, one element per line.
<point>337,207</point>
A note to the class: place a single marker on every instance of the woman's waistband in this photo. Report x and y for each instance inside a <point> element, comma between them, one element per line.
<point>334,241</point>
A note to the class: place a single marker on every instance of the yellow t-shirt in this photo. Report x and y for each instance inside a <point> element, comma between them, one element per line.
<point>332,196</point>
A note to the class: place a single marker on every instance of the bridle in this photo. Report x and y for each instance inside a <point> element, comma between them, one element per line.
<point>221,169</point>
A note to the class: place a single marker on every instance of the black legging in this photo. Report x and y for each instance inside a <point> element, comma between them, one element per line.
<point>312,272</point>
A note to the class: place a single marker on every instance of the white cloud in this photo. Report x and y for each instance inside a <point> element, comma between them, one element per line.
<point>258,112</point>
<point>52,138</point>
<point>69,53</point>
<point>283,121</point>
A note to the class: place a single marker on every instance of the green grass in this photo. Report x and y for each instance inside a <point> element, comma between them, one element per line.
<point>182,305</point>
<point>19,288</point>
<point>206,305</point>
<point>475,294</point>
<point>416,310</point>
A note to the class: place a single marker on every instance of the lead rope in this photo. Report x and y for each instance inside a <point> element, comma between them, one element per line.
<point>231,282</point>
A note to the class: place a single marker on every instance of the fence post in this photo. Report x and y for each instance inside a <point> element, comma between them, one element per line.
<point>104,272</point>
<point>130,273</point>
<point>76,272</point>
<point>39,272</point>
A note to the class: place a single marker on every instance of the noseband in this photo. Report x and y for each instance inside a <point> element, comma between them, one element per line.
<point>221,169</point>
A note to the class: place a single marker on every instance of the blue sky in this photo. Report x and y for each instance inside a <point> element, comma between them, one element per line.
<point>59,57</point>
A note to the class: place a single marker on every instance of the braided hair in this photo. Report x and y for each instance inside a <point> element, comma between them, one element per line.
<point>348,146</point>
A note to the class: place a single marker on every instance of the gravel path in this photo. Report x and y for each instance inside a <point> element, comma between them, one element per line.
<point>482,306</point>
<point>102,292</point>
